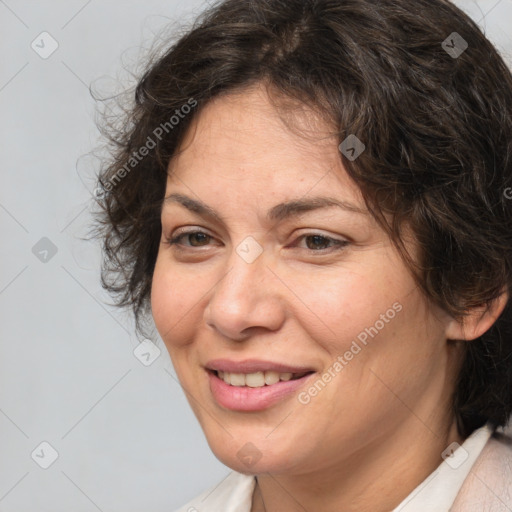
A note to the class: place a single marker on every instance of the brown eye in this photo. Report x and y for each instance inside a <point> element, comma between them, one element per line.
<point>195,239</point>
<point>317,242</point>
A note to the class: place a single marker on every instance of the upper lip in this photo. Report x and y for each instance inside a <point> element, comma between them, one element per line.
<point>253,365</point>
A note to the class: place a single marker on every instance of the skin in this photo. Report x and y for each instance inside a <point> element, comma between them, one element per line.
<point>379,427</point>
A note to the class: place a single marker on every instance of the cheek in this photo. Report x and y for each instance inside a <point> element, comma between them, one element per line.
<point>175,303</point>
<point>338,307</point>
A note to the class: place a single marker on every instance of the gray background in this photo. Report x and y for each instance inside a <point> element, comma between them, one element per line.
<point>125,437</point>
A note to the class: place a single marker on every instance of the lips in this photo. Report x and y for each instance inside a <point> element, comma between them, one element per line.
<point>254,385</point>
<point>254,365</point>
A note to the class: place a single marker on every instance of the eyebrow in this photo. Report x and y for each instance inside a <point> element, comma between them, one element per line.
<point>279,212</point>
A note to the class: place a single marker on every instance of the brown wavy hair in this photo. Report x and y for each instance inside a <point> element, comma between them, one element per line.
<point>437,129</point>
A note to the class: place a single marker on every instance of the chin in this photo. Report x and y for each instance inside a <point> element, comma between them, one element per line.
<point>253,457</point>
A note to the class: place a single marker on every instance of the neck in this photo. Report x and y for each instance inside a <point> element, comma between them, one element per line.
<point>375,479</point>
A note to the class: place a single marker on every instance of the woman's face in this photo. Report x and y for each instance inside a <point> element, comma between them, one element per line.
<point>275,268</point>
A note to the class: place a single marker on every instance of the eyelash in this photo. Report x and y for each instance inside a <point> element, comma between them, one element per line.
<point>337,244</point>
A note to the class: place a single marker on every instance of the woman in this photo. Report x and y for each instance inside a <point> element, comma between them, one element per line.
<point>310,201</point>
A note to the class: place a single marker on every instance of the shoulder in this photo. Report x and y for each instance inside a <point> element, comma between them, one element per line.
<point>488,487</point>
<point>233,494</point>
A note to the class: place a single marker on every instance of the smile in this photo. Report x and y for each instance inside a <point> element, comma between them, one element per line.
<point>254,385</point>
<point>257,379</point>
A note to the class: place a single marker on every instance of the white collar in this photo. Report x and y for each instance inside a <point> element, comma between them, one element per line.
<point>435,494</point>
<point>439,490</point>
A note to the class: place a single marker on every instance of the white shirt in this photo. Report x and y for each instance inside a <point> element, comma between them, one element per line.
<point>435,494</point>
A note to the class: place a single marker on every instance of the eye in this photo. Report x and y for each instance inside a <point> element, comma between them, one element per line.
<point>195,239</point>
<point>316,243</point>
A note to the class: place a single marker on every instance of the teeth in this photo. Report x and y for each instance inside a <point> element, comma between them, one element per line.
<point>236,379</point>
<point>271,378</point>
<point>255,380</point>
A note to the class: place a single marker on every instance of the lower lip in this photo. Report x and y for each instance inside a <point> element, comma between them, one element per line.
<point>237,398</point>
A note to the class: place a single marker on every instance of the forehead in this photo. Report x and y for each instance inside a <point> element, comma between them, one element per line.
<point>245,139</point>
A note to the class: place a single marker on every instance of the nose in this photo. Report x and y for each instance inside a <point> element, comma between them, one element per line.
<point>246,300</point>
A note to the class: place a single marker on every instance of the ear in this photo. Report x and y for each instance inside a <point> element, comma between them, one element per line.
<point>477,320</point>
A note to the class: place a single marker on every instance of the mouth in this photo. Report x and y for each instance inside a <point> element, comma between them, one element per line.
<point>252,386</point>
<point>257,379</point>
